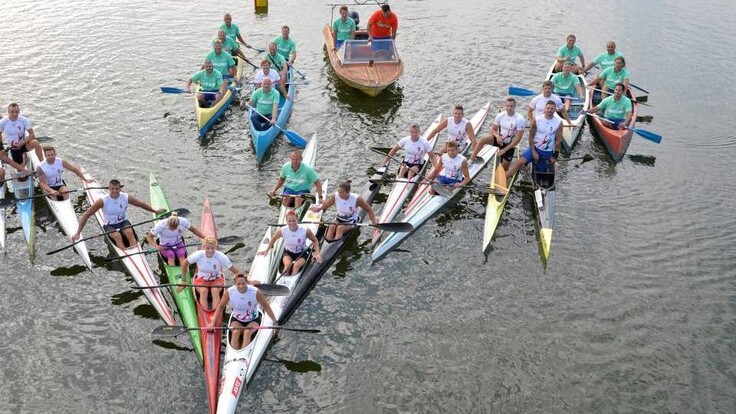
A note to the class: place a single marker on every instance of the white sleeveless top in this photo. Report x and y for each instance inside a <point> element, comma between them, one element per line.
<point>114,209</point>
<point>347,209</point>
<point>209,268</point>
<point>508,125</point>
<point>457,133</point>
<point>53,172</point>
<point>169,237</point>
<point>544,138</point>
<point>414,151</point>
<point>245,305</point>
<point>452,167</point>
<point>294,241</point>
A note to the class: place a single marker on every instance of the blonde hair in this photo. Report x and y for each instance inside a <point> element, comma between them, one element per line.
<point>209,241</point>
<point>173,220</point>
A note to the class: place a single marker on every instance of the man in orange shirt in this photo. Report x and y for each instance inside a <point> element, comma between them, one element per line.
<point>382,26</point>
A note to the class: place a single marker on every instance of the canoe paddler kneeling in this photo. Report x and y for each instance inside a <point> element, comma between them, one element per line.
<point>415,147</point>
<point>616,108</point>
<point>451,169</point>
<point>170,240</point>
<point>229,45</point>
<point>211,85</point>
<point>347,205</point>
<point>244,299</point>
<point>114,207</point>
<point>210,263</point>
<point>459,130</point>
<point>221,61</point>
<point>506,133</point>
<point>50,171</point>
<point>297,179</point>
<point>295,244</point>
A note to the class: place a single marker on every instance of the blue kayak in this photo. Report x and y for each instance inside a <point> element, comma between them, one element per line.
<point>262,140</point>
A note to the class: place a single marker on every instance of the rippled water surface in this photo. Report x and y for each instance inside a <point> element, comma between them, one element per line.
<point>633,313</point>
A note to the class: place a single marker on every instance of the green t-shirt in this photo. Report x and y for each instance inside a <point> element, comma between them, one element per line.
<point>300,180</point>
<point>232,32</point>
<point>343,29</point>
<point>605,61</point>
<point>285,47</point>
<point>571,55</point>
<point>263,101</point>
<point>611,78</point>
<point>564,84</point>
<point>221,62</point>
<point>277,61</point>
<point>208,83</point>
<point>615,110</point>
<point>228,45</point>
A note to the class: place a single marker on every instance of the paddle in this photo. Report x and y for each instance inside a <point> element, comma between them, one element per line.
<point>166,331</point>
<point>394,226</point>
<point>514,90</point>
<point>251,47</point>
<point>306,196</point>
<point>7,201</point>
<point>13,178</point>
<point>295,139</point>
<point>221,240</point>
<point>382,150</point>
<point>585,158</point>
<point>639,99</point>
<point>175,90</point>
<point>183,212</point>
<point>303,76</point>
<point>266,288</point>
<point>377,151</point>
<point>651,136</point>
<point>639,88</point>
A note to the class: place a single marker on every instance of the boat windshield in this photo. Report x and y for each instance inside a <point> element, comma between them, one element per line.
<point>362,51</point>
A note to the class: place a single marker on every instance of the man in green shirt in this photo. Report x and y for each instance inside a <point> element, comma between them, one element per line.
<point>570,52</point>
<point>609,78</point>
<point>285,46</point>
<point>211,85</point>
<point>278,63</point>
<point>232,30</point>
<point>605,60</point>
<point>299,178</point>
<point>229,45</point>
<point>567,85</point>
<point>221,60</point>
<point>617,108</point>
<point>266,101</point>
<point>343,28</point>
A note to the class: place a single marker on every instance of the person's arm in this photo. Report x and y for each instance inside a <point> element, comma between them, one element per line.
<point>220,308</point>
<point>75,169</point>
<point>315,246</point>
<point>565,115</point>
<point>436,170</point>
<point>318,186</point>
<point>325,205</point>
<point>558,144</point>
<point>275,110</point>
<point>334,33</point>
<point>239,37</point>
<point>360,202</point>
<point>271,242</point>
<point>233,269</point>
<point>530,111</point>
<point>391,153</point>
<point>395,26</point>
<point>142,204</point>
<point>265,305</point>
<point>197,232</point>
<point>151,239</point>
<point>532,132</point>
<point>9,160</point>
<point>184,273</point>
<point>42,182</point>
<point>282,88</point>
<point>189,85</point>
<point>582,59</point>
<point>31,134</point>
<point>279,182</point>
<point>442,125</point>
<point>627,123</point>
<point>517,138</point>
<point>85,216</point>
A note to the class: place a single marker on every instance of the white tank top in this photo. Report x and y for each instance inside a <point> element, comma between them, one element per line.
<point>209,268</point>
<point>53,172</point>
<point>457,133</point>
<point>347,209</point>
<point>508,125</point>
<point>245,305</point>
<point>414,151</point>
<point>169,237</point>
<point>452,167</point>
<point>294,241</point>
<point>114,209</point>
<point>544,138</point>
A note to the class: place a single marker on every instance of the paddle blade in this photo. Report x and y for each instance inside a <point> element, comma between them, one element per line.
<point>651,136</point>
<point>513,90</point>
<point>172,89</point>
<point>500,180</point>
<point>273,289</point>
<point>164,331</point>
<point>397,227</point>
<point>295,139</point>
<point>229,240</point>
<point>182,212</point>
<point>442,190</point>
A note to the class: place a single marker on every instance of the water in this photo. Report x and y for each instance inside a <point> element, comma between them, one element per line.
<point>634,312</point>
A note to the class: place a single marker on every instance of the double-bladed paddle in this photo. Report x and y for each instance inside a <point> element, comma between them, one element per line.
<point>221,240</point>
<point>9,201</point>
<point>306,196</point>
<point>175,90</point>
<point>303,76</point>
<point>13,178</point>
<point>266,288</point>
<point>651,136</point>
<point>251,47</point>
<point>295,139</point>
<point>393,226</point>
<point>166,331</point>
<point>182,212</point>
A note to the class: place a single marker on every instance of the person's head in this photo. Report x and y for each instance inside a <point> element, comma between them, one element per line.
<point>113,187</point>
<point>549,109</point>
<point>510,105</point>
<point>570,40</point>
<point>208,66</point>
<point>414,131</point>
<point>291,220</point>
<point>566,68</point>
<point>451,148</point>
<point>386,10</point>
<point>241,282</point>
<point>272,48</point>
<point>343,189</point>
<point>217,46</point>
<point>228,19</point>
<point>547,88</point>
<point>265,65</point>
<point>285,32</point>
<point>611,47</point>
<point>221,35</point>
<point>50,154</point>
<point>296,159</point>
<point>13,111</point>
<point>618,90</point>
<point>210,246</point>
<point>266,85</point>
<point>457,113</point>
<point>344,12</point>
<point>619,63</point>
<point>173,221</point>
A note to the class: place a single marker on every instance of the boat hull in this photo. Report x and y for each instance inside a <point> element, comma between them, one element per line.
<point>207,117</point>
<point>544,192</point>
<point>496,202</point>
<point>262,140</point>
<point>615,141</point>
<point>577,111</point>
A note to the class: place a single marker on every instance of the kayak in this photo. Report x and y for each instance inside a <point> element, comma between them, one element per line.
<point>499,193</point>
<point>23,189</point>
<point>132,257</point>
<point>424,205</point>
<point>65,216</point>
<point>329,252</point>
<point>3,189</point>
<point>543,184</point>
<point>206,117</point>
<point>184,299</point>
<point>210,340</point>
<point>578,108</point>
<point>262,140</point>
<point>403,188</point>
<point>616,141</point>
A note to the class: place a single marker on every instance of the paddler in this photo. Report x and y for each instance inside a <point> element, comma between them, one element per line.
<point>229,45</point>
<point>452,169</point>
<point>507,130</point>
<point>459,130</point>
<point>617,108</point>
<point>278,63</point>
<point>266,72</point>
<point>608,78</point>
<point>212,87</point>
<point>295,244</point>
<point>221,60</point>
<point>170,237</point>
<point>569,52</point>
<point>297,179</point>
<point>347,205</point>
<point>539,102</point>
<point>50,171</point>
<point>606,59</point>
<point>266,101</point>
<point>286,46</point>
<point>114,207</point>
<point>232,30</point>
<point>244,299</point>
<point>210,263</point>
<point>415,148</point>
<point>18,133</point>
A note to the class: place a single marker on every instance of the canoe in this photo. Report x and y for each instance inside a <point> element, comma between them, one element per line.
<point>359,66</point>
<point>329,252</point>
<point>135,262</point>
<point>65,216</point>
<point>403,188</point>
<point>185,298</point>
<point>262,140</point>
<point>615,141</point>
<point>576,113</point>
<point>206,117</point>
<point>24,189</point>
<point>544,206</point>
<point>3,189</point>
<point>496,202</point>
<point>210,340</point>
<point>424,205</point>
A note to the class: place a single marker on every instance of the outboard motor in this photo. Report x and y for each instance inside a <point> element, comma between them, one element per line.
<point>356,18</point>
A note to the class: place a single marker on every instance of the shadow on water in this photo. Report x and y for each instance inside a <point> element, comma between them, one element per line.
<point>126,297</point>
<point>645,160</point>
<point>69,271</point>
<point>294,366</point>
<point>171,345</point>
<point>147,311</point>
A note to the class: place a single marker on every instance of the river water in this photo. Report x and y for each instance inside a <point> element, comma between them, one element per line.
<point>633,313</point>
